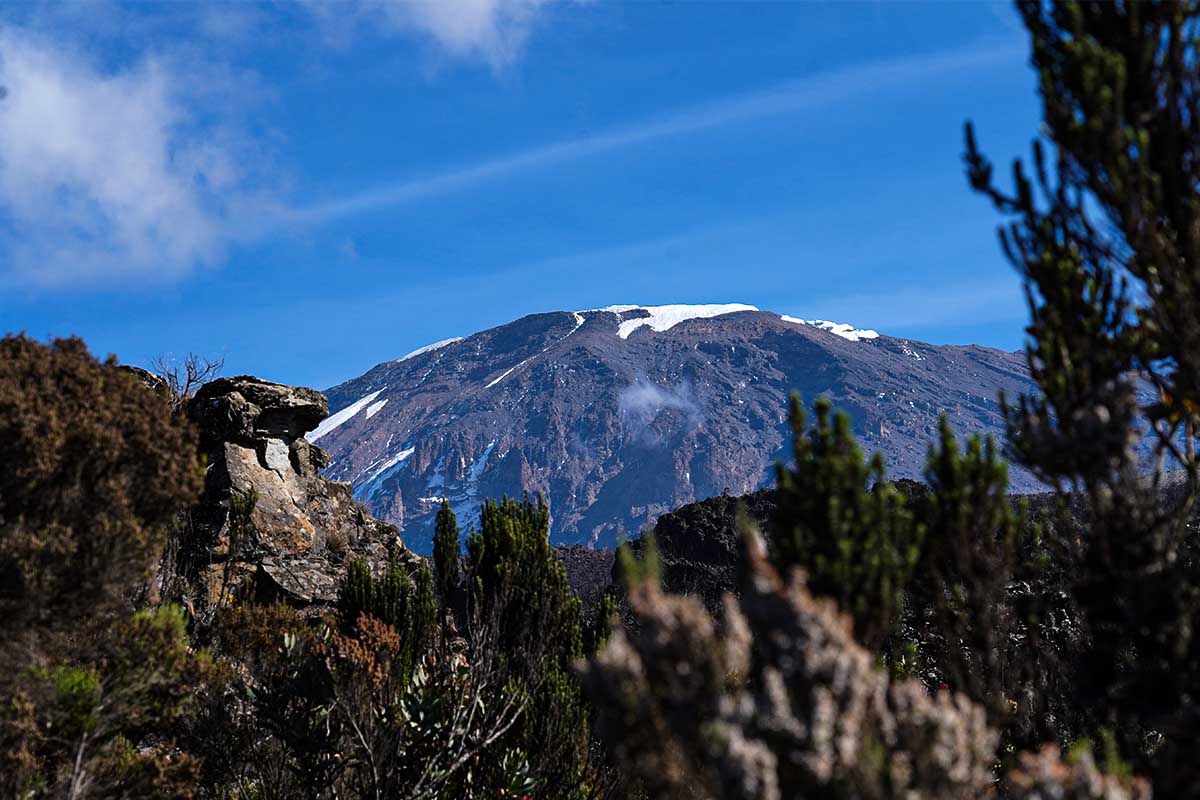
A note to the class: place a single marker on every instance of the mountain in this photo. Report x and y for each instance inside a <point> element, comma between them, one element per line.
<point>620,414</point>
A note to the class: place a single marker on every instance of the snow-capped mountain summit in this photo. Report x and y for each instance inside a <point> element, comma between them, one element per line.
<point>619,414</point>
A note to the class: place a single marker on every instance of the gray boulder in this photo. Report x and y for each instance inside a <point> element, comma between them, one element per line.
<point>296,538</point>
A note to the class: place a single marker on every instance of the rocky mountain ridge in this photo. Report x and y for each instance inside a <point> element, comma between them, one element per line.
<point>620,414</point>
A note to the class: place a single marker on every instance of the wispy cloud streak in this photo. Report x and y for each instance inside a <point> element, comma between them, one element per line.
<point>803,95</point>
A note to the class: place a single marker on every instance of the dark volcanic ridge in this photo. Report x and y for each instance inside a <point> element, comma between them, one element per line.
<point>618,415</point>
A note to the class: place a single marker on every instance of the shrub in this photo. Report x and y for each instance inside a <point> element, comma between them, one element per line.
<point>1104,230</point>
<point>446,550</point>
<point>388,698</point>
<point>782,703</point>
<point>93,469</point>
<point>844,523</point>
<point>105,726</point>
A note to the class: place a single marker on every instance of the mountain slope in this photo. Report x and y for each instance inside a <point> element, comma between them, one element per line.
<point>620,414</point>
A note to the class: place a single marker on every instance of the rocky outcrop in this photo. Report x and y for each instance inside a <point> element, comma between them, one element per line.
<point>699,546</point>
<point>267,517</point>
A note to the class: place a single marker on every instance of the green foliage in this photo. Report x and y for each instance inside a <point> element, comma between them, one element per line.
<point>389,601</point>
<point>385,698</point>
<point>388,698</point>
<point>1110,763</point>
<point>403,603</point>
<point>423,610</point>
<point>152,659</point>
<point>76,695</point>
<point>105,725</point>
<point>93,468</point>
<point>515,579</point>
<point>1104,230</point>
<point>519,598</point>
<point>641,566</point>
<point>976,595</point>
<point>446,548</point>
<point>966,565</point>
<point>841,521</point>
<point>598,633</point>
<point>356,594</point>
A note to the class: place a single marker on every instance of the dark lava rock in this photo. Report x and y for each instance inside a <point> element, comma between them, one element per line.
<point>699,544</point>
<point>589,571</point>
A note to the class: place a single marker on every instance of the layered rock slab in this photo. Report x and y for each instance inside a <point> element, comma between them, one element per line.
<point>267,515</point>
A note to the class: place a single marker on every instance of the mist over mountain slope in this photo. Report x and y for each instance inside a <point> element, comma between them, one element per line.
<point>618,415</point>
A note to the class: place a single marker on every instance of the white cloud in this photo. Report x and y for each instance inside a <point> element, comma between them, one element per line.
<point>641,403</point>
<point>107,172</point>
<point>496,29</point>
<point>493,30</point>
<point>141,167</point>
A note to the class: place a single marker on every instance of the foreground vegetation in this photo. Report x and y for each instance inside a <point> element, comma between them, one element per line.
<point>888,641</point>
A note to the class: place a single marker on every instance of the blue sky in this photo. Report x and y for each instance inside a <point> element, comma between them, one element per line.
<point>307,189</point>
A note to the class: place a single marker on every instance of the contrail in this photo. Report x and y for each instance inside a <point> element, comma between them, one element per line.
<point>805,94</point>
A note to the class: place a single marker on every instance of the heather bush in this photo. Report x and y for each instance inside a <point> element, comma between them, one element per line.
<point>844,523</point>
<point>93,469</point>
<point>783,702</point>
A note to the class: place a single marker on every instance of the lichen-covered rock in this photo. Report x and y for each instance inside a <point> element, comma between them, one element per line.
<point>266,511</point>
<point>307,579</point>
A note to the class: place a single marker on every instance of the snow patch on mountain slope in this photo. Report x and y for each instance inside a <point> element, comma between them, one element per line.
<point>664,318</point>
<point>375,408</point>
<point>333,421</point>
<point>429,348</point>
<point>463,498</point>
<point>476,469</point>
<point>579,320</point>
<point>368,488</point>
<point>506,373</point>
<point>841,329</point>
